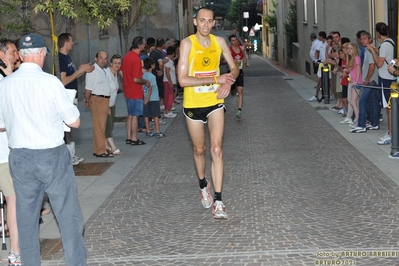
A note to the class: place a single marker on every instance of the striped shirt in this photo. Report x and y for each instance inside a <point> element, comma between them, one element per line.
<point>33,106</point>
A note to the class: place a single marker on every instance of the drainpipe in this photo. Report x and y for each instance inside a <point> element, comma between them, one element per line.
<point>373,19</point>
<point>89,40</point>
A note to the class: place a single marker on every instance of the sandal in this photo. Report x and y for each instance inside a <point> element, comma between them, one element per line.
<point>105,155</point>
<point>128,141</point>
<point>116,152</point>
<point>138,142</point>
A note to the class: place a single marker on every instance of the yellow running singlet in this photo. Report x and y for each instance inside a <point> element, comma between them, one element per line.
<point>203,62</point>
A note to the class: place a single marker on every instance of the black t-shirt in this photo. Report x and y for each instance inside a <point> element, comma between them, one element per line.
<point>67,66</point>
<point>157,55</point>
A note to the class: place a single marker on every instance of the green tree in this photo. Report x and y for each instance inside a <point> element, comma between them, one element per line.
<point>127,19</point>
<point>290,28</point>
<point>271,18</point>
<point>15,18</point>
<point>234,13</point>
<point>219,7</point>
<point>125,12</point>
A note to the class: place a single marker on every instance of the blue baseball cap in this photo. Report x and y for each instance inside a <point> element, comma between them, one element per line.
<point>32,40</point>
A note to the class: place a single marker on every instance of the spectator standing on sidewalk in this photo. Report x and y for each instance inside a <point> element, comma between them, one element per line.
<point>169,82</point>
<point>369,100</point>
<point>98,93</point>
<point>347,91</point>
<point>320,56</point>
<point>132,88</point>
<point>382,56</point>
<point>39,161</point>
<point>112,76</point>
<point>9,55</point>
<point>335,79</point>
<point>151,100</point>
<point>355,74</point>
<point>312,53</point>
<point>156,54</point>
<point>69,77</point>
<point>204,93</point>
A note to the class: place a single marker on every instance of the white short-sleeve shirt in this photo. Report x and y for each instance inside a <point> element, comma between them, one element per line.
<point>33,107</point>
<point>97,82</point>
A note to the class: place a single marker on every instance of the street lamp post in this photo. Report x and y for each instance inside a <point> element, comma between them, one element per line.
<point>245,29</point>
<point>246,16</point>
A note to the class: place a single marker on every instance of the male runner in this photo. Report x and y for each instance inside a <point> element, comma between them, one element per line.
<point>204,93</point>
<point>239,57</point>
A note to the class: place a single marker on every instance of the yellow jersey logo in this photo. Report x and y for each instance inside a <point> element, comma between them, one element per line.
<point>206,61</point>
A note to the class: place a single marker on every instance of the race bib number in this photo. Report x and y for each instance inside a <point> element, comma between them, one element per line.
<point>239,64</point>
<point>208,87</point>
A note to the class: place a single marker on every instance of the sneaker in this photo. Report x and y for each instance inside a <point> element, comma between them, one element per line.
<point>386,134</point>
<point>341,112</point>
<point>162,121</point>
<point>170,115</point>
<point>206,198</point>
<point>173,109</point>
<point>75,161</point>
<point>238,114</point>
<point>177,102</point>
<point>386,140</point>
<point>79,159</point>
<point>219,210</point>
<point>14,260</point>
<point>358,130</point>
<point>346,121</point>
<point>353,124</point>
<point>394,156</point>
<point>162,107</point>
<point>159,135</point>
<point>370,127</point>
<point>312,99</point>
<point>149,135</point>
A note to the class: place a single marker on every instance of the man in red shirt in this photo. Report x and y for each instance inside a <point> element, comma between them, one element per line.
<point>132,88</point>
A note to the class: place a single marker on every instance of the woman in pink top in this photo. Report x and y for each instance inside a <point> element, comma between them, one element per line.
<point>354,64</point>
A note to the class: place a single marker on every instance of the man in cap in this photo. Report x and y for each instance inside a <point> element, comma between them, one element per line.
<point>33,107</point>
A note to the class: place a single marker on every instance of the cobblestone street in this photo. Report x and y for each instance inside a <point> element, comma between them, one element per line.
<point>296,192</point>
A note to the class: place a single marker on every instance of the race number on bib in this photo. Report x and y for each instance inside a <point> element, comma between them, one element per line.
<point>208,87</point>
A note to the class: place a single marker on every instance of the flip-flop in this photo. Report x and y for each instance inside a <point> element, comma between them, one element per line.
<point>137,142</point>
<point>117,152</point>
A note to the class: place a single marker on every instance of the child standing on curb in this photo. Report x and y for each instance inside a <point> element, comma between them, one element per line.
<point>151,100</point>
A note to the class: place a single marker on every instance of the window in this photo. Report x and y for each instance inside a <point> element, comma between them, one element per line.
<point>103,32</point>
<point>305,11</point>
<point>315,11</point>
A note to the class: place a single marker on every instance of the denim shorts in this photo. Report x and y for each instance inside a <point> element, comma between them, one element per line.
<point>135,107</point>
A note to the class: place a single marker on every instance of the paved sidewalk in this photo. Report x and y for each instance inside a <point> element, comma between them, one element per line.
<point>296,183</point>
